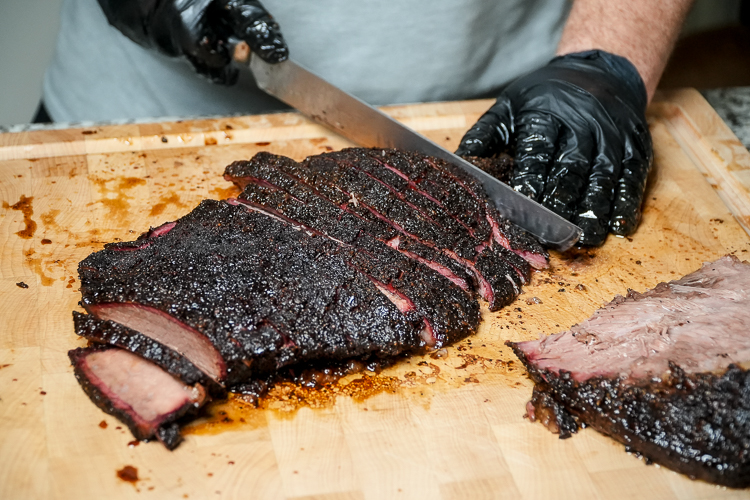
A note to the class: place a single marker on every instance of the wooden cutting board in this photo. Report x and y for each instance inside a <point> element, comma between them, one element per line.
<point>444,426</point>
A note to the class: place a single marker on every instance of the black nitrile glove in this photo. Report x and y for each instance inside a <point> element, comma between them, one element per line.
<point>582,144</point>
<point>199,30</point>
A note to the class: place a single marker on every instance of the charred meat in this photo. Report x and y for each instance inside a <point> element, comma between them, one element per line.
<point>663,372</point>
<point>358,255</point>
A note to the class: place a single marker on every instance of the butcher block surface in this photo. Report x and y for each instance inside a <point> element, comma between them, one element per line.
<point>447,425</point>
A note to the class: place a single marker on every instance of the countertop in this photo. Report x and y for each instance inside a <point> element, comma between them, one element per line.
<point>733,106</point>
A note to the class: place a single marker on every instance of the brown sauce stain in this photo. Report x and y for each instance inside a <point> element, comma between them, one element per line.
<point>128,474</point>
<point>284,399</point>
<point>48,218</point>
<point>118,206</point>
<point>24,205</point>
<point>224,193</point>
<point>233,413</point>
<point>172,199</point>
<point>103,424</point>
<point>36,265</point>
<point>578,258</point>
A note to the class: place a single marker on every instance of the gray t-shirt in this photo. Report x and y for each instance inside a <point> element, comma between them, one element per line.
<point>382,51</point>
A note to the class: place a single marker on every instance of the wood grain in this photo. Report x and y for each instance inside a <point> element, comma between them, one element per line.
<point>447,425</point>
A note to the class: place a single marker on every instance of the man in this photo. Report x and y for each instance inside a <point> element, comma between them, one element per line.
<point>575,125</point>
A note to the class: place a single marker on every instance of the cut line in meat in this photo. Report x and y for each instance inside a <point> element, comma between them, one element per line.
<point>167,330</point>
<point>662,371</point>
<point>101,332</point>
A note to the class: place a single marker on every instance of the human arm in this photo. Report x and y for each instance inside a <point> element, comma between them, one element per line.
<point>642,31</point>
<point>577,126</point>
<point>202,31</point>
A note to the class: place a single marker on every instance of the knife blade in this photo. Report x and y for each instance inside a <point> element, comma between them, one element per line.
<point>367,126</point>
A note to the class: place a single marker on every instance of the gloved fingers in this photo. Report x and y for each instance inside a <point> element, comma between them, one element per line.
<point>250,21</point>
<point>626,211</point>
<point>569,172</point>
<point>223,75</point>
<point>491,134</point>
<point>596,204</point>
<point>536,136</point>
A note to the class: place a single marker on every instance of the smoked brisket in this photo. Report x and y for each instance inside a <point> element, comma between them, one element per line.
<point>266,294</point>
<point>663,372</point>
<point>417,205</point>
<point>358,255</point>
<point>141,395</point>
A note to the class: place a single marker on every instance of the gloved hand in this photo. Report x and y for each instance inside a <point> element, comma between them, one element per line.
<point>199,30</point>
<point>582,144</point>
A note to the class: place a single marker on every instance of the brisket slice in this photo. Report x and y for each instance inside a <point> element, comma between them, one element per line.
<point>266,295</point>
<point>141,395</point>
<point>659,371</point>
<point>110,333</point>
<point>267,185</point>
<point>345,193</point>
<point>461,195</point>
<point>387,192</point>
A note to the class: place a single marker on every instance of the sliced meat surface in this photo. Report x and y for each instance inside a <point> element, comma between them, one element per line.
<point>361,255</point>
<point>139,393</point>
<point>267,186</point>
<point>465,199</point>
<point>696,322</point>
<point>164,329</point>
<point>360,190</point>
<point>266,294</point>
<point>114,334</point>
<point>662,371</point>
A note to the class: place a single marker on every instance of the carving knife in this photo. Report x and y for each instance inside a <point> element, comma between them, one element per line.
<point>367,126</point>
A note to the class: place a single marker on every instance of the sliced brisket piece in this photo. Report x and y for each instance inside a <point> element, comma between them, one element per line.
<point>460,194</point>
<point>337,170</point>
<point>515,239</point>
<point>422,177</point>
<point>659,371</point>
<point>374,163</point>
<point>139,393</point>
<point>265,294</point>
<point>164,329</point>
<point>115,334</point>
<point>348,192</point>
<point>266,185</point>
<point>448,312</point>
<point>504,232</point>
